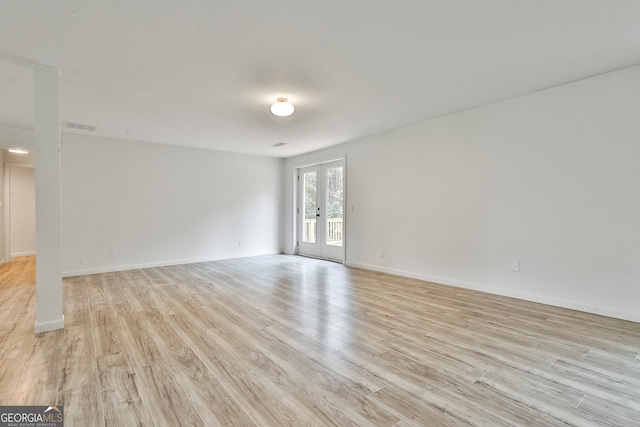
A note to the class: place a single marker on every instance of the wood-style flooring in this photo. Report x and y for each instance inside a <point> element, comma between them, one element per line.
<point>291,341</point>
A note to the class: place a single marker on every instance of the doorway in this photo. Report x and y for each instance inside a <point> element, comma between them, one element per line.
<point>321,211</point>
<point>22,210</point>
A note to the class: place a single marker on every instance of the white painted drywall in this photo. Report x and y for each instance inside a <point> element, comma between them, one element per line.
<point>23,159</point>
<point>11,137</point>
<point>23,210</point>
<point>158,204</point>
<point>46,139</point>
<point>549,179</point>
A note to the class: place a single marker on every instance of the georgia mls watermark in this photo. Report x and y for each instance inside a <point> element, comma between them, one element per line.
<point>31,416</point>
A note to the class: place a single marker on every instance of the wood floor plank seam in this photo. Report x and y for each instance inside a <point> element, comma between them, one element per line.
<point>227,372</point>
<point>282,340</point>
<point>95,363</point>
<point>580,401</point>
<point>198,377</point>
<point>551,376</point>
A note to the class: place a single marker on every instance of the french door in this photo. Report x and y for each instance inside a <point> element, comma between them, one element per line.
<point>321,211</point>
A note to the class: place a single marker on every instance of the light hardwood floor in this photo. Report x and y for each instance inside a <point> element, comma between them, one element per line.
<point>290,341</point>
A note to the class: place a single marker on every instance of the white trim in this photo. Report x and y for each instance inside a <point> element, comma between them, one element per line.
<point>602,311</point>
<point>316,160</point>
<point>327,159</point>
<point>161,264</point>
<point>49,326</point>
<point>22,253</point>
<point>345,209</point>
<point>296,190</point>
<point>294,214</point>
<point>6,212</point>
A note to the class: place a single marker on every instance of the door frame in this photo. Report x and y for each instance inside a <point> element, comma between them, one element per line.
<point>7,203</point>
<point>296,225</point>
<point>312,248</point>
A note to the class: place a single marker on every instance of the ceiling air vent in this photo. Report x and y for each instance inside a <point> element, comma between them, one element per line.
<point>80,126</point>
<point>278,144</point>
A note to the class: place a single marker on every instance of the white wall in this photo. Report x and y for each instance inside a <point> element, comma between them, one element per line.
<point>549,179</point>
<point>22,210</point>
<point>157,204</point>
<point>23,159</point>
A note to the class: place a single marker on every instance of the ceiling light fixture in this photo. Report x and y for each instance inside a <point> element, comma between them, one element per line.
<point>282,108</point>
<point>18,151</point>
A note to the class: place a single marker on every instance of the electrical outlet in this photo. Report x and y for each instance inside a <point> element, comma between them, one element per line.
<point>240,243</point>
<point>515,267</point>
<point>112,253</point>
<point>381,253</point>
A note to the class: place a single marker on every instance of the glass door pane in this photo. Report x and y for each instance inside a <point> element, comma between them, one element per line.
<point>334,204</point>
<point>309,191</point>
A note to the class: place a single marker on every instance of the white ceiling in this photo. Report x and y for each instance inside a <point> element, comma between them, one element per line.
<point>203,73</point>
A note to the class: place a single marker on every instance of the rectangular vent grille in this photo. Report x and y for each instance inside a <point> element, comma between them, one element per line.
<point>80,126</point>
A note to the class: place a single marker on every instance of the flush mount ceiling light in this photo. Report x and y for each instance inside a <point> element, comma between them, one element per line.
<point>18,151</point>
<point>282,108</point>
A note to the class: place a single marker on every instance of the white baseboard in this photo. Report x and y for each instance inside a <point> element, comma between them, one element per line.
<point>22,254</point>
<point>114,268</point>
<point>50,325</point>
<point>602,311</point>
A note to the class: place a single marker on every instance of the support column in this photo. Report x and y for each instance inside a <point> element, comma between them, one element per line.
<point>46,90</point>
